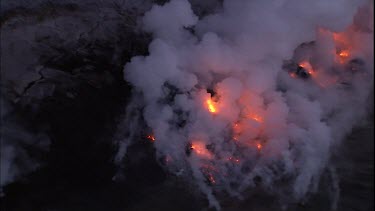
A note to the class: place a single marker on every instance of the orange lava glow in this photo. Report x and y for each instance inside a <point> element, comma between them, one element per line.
<point>307,66</point>
<point>211,179</point>
<point>340,38</point>
<point>200,149</point>
<point>210,105</point>
<point>259,146</point>
<point>235,160</point>
<point>344,54</point>
<point>293,75</point>
<point>151,138</point>
<point>237,129</point>
<point>256,118</point>
<point>344,46</point>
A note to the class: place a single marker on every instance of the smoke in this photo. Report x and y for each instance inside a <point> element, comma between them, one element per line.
<point>255,94</point>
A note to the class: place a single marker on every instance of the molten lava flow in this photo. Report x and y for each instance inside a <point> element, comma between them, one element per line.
<point>200,149</point>
<point>151,138</point>
<point>210,105</point>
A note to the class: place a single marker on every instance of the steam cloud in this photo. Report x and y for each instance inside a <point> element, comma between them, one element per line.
<point>256,93</point>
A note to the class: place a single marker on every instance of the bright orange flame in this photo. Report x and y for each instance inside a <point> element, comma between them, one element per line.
<point>151,138</point>
<point>259,146</point>
<point>210,105</point>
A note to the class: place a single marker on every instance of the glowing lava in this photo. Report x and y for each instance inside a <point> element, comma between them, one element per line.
<point>210,105</point>
<point>344,54</point>
<point>307,66</point>
<point>151,138</point>
<point>200,149</point>
<point>343,45</point>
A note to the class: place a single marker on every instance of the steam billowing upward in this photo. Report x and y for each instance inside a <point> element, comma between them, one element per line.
<point>255,94</point>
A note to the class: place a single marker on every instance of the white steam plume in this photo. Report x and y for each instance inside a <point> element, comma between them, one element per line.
<point>255,94</point>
